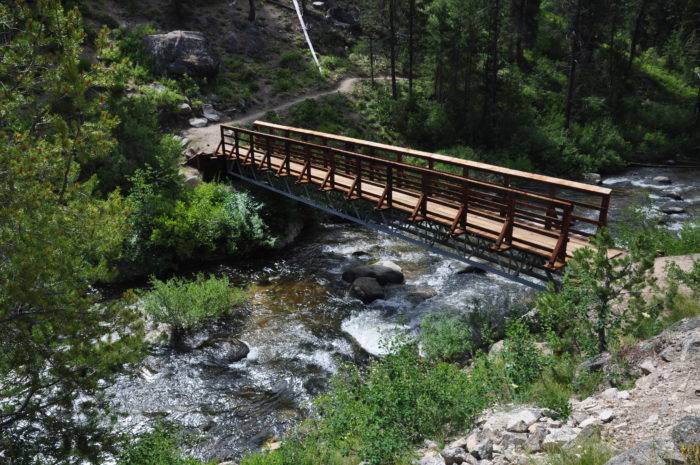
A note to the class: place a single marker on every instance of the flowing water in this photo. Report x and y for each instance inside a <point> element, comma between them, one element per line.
<point>301,326</point>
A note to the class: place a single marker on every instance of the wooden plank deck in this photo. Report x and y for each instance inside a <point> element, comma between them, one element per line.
<point>511,214</point>
<point>477,224</point>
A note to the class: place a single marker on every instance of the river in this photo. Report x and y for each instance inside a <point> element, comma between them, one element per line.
<point>301,326</point>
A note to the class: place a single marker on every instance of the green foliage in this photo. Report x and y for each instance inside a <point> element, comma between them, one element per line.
<point>637,232</point>
<point>188,305</point>
<point>332,113</point>
<point>379,414</point>
<point>158,447</point>
<point>523,360</point>
<point>172,226</point>
<point>591,452</point>
<point>59,346</point>
<point>294,72</point>
<point>598,297</point>
<point>446,339</point>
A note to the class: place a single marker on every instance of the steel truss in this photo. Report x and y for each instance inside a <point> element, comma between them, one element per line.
<point>513,264</point>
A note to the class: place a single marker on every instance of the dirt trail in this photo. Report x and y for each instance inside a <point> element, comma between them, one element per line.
<point>206,139</point>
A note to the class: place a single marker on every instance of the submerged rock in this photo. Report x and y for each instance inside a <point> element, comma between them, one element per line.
<point>181,52</point>
<point>673,210</point>
<point>383,274</point>
<point>367,289</point>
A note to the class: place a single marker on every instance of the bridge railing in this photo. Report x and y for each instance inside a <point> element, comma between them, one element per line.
<point>591,203</point>
<point>467,205</point>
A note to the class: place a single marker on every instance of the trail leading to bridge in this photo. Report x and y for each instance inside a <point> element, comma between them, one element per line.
<point>206,139</point>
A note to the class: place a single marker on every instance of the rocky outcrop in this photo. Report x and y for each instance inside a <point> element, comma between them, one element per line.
<point>367,289</point>
<point>181,52</point>
<point>383,273</point>
<point>648,424</point>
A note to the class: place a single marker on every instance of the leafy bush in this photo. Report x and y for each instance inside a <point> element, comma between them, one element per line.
<point>209,217</point>
<point>378,414</point>
<point>445,338</point>
<point>524,361</point>
<point>190,305</point>
<point>638,232</point>
<point>158,447</point>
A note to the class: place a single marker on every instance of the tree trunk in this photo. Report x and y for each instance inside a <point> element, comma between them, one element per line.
<point>635,36</point>
<point>491,100</point>
<point>251,10</point>
<point>392,48</point>
<point>571,88</point>
<point>371,60</point>
<point>411,19</point>
<point>519,10</point>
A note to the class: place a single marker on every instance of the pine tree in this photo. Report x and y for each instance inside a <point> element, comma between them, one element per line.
<point>59,347</point>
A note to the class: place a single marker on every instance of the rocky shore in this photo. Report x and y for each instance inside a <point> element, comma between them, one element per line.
<point>647,424</point>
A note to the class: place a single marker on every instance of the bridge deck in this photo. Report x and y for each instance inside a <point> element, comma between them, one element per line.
<point>508,215</point>
<point>478,224</point>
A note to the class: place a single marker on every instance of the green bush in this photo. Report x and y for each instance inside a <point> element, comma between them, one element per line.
<point>158,447</point>
<point>446,338</point>
<point>187,306</point>
<point>637,232</point>
<point>378,415</point>
<point>210,218</point>
<point>523,360</point>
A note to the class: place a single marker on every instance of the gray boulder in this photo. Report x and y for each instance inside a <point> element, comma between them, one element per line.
<point>181,52</point>
<point>674,194</point>
<point>198,122</point>
<point>383,274</point>
<point>657,452</point>
<point>209,113</point>
<point>228,352</point>
<point>367,289</point>
<point>432,458</point>
<point>662,180</point>
<point>672,209</point>
<point>687,432</point>
<point>592,178</point>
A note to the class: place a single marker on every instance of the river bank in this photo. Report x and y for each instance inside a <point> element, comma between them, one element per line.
<point>301,325</point>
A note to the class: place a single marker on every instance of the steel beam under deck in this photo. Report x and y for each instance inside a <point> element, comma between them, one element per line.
<point>522,267</point>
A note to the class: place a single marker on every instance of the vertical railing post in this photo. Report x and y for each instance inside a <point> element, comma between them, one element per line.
<point>389,184</point>
<point>604,206</point>
<point>359,176</point>
<point>223,140</point>
<point>287,156</point>
<point>551,213</point>
<point>237,141</point>
<point>559,252</point>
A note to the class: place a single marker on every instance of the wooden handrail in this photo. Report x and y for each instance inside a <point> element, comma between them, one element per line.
<point>404,166</point>
<point>468,168</point>
<point>429,189</point>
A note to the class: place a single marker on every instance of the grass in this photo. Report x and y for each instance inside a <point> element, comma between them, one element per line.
<point>591,452</point>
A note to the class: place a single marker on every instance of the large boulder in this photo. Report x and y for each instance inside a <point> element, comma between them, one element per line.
<point>656,452</point>
<point>687,432</point>
<point>367,289</point>
<point>383,274</point>
<point>181,52</point>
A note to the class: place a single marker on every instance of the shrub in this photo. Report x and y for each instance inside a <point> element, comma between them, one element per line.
<point>523,360</point>
<point>639,232</point>
<point>583,317</point>
<point>190,305</point>
<point>445,338</point>
<point>157,447</point>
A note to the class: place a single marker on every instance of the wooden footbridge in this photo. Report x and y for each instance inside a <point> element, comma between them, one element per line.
<point>520,225</point>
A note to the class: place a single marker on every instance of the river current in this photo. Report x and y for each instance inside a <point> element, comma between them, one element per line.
<point>301,326</point>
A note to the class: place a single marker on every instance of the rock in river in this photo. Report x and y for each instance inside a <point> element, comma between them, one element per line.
<point>662,180</point>
<point>383,274</point>
<point>367,289</point>
<point>181,52</point>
